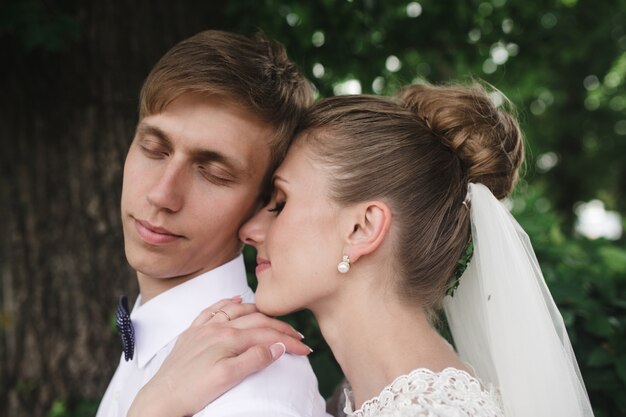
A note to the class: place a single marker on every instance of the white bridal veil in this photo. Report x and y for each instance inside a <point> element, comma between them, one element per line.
<point>505,323</point>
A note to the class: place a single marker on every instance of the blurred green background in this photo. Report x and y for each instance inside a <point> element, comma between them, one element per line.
<point>71,72</point>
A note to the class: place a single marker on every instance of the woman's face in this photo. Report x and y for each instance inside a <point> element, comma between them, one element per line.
<point>297,237</point>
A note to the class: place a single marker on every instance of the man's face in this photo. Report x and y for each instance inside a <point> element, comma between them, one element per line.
<point>191,178</point>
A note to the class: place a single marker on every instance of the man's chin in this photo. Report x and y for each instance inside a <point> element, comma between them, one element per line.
<point>154,267</point>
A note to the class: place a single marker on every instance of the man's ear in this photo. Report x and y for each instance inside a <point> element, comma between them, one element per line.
<point>370,225</point>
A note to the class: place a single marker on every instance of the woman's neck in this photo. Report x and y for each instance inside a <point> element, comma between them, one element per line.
<point>376,338</point>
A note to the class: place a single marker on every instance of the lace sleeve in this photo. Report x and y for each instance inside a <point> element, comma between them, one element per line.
<point>424,393</point>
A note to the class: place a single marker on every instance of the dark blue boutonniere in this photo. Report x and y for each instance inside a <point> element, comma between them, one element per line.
<point>125,328</point>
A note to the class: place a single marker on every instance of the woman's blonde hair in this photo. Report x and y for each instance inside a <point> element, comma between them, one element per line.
<point>418,152</point>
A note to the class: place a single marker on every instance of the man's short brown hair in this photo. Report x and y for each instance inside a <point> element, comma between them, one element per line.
<point>252,73</point>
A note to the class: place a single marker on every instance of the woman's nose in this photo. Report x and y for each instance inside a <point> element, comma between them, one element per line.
<point>254,230</point>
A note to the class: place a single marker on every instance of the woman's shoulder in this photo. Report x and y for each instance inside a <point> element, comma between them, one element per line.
<point>422,392</point>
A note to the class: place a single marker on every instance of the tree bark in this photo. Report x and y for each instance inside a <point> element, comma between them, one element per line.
<point>67,119</point>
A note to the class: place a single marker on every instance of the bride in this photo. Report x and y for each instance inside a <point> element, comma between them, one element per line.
<point>383,212</point>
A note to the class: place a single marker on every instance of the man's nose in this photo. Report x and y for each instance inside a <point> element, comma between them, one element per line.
<point>167,192</point>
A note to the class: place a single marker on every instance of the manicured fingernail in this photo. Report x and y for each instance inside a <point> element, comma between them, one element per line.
<point>236,298</point>
<point>309,347</point>
<point>277,350</point>
<point>300,334</point>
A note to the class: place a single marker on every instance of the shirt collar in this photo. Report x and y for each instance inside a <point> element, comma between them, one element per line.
<point>161,319</point>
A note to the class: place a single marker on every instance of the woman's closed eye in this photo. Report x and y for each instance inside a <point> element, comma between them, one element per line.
<point>278,207</point>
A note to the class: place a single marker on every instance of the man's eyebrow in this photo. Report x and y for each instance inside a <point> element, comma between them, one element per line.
<point>146,129</point>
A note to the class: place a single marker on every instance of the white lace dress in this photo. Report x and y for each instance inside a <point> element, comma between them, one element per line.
<point>424,393</point>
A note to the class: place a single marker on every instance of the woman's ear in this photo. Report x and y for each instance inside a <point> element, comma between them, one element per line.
<point>370,225</point>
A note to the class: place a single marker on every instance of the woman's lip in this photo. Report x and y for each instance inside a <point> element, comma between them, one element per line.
<point>262,265</point>
<point>154,235</point>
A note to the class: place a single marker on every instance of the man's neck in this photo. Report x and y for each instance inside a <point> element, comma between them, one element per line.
<point>150,287</point>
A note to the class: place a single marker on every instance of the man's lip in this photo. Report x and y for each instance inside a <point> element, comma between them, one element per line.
<point>154,235</point>
<point>156,229</point>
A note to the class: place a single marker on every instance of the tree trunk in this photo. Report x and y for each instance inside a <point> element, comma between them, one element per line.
<point>67,119</point>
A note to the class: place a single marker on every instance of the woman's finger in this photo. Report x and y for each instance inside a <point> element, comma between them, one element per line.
<point>208,313</point>
<point>231,312</point>
<point>252,360</point>
<point>243,340</point>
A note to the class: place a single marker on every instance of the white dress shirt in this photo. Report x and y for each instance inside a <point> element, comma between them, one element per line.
<point>286,388</point>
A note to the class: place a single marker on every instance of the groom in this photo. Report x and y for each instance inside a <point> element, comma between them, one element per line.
<point>216,116</point>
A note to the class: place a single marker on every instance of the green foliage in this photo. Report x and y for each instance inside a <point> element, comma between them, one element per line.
<point>78,408</point>
<point>562,62</point>
<point>568,85</point>
<point>460,269</point>
<point>587,279</point>
<point>37,25</point>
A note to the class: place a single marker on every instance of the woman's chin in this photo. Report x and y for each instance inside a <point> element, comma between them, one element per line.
<point>271,306</point>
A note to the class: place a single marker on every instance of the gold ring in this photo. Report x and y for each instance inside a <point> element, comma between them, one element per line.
<point>213,314</point>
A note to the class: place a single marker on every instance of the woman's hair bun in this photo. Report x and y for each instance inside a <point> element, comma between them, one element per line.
<point>485,137</point>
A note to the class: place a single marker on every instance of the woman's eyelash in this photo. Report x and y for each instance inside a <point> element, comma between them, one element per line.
<point>277,208</point>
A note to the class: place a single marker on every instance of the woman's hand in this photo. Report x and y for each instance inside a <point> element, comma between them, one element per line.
<point>226,343</point>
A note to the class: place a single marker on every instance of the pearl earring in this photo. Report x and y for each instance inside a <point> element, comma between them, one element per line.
<point>344,265</point>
